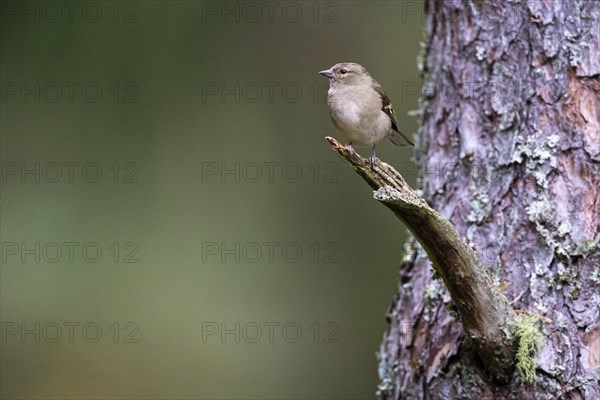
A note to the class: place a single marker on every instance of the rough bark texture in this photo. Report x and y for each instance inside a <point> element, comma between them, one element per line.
<point>510,154</point>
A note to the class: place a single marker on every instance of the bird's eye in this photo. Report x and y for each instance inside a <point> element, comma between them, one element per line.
<point>343,71</point>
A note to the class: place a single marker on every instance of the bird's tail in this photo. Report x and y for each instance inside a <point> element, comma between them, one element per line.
<point>400,139</point>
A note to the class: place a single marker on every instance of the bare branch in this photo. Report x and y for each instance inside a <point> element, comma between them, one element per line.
<point>485,313</point>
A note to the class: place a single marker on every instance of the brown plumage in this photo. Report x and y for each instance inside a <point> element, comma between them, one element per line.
<point>360,109</point>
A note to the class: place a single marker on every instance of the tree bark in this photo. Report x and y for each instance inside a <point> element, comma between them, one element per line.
<point>510,154</point>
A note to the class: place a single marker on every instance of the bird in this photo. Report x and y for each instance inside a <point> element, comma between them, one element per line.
<point>360,108</point>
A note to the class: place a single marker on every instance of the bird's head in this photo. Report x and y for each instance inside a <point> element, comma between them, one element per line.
<point>347,74</point>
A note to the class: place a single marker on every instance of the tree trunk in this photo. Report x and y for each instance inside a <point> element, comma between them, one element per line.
<point>510,154</point>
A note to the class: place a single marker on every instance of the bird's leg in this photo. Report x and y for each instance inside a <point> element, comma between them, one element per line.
<point>373,158</point>
<point>350,149</point>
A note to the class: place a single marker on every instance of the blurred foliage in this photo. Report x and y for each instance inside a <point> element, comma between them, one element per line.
<point>184,141</point>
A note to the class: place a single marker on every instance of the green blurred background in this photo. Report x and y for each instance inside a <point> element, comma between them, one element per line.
<point>174,225</point>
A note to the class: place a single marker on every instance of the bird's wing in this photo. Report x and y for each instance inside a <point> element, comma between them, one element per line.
<point>386,105</point>
<point>398,138</point>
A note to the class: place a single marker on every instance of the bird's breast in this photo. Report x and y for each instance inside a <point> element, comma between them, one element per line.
<point>356,113</point>
<point>348,114</point>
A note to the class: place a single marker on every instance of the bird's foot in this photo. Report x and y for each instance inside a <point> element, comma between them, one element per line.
<point>373,158</point>
<point>350,149</point>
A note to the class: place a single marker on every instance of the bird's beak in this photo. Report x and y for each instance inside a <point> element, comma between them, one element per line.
<point>327,72</point>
